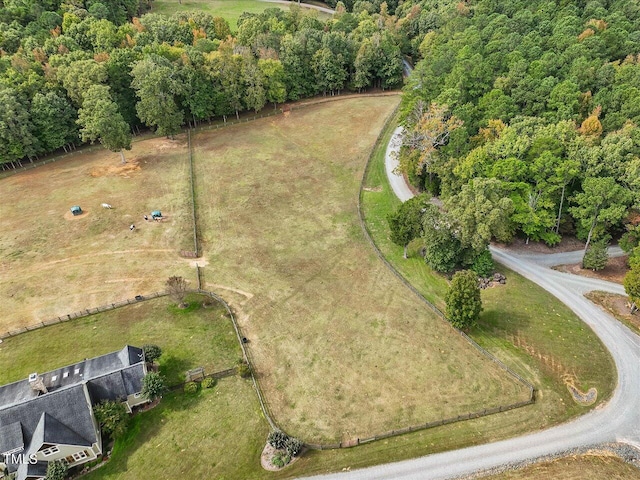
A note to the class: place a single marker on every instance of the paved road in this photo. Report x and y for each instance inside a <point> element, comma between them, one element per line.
<point>617,421</point>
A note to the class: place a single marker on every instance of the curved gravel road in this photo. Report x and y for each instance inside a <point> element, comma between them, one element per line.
<point>617,421</point>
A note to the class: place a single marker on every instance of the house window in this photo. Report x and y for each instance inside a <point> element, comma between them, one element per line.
<point>79,456</point>
<point>50,451</point>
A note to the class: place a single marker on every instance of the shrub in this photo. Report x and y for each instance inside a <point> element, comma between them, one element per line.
<point>244,370</point>
<point>191,387</point>
<point>153,386</point>
<point>112,417</point>
<point>463,300</point>
<point>278,439</point>
<point>293,446</point>
<point>57,470</point>
<point>151,352</point>
<point>209,382</point>
<point>596,256</point>
<point>278,461</point>
<point>483,264</point>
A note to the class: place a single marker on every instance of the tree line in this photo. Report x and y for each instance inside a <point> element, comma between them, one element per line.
<point>94,71</point>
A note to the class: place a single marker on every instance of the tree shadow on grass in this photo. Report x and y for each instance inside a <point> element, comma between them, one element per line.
<point>174,369</point>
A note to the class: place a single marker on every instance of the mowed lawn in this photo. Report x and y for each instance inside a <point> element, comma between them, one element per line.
<point>215,434</point>
<point>230,10</point>
<point>52,263</point>
<point>342,349</point>
<point>194,337</point>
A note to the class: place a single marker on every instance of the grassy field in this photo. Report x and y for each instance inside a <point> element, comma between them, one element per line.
<point>189,338</point>
<point>342,348</point>
<point>215,434</point>
<point>52,263</point>
<point>526,327</point>
<point>575,468</point>
<point>230,10</point>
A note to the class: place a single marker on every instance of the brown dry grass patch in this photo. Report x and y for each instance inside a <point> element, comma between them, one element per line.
<point>50,266</point>
<point>342,348</point>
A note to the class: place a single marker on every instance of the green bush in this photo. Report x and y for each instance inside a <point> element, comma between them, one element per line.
<point>278,439</point>
<point>112,417</point>
<point>244,370</point>
<point>483,264</point>
<point>151,352</point>
<point>191,387</point>
<point>278,461</point>
<point>209,382</point>
<point>153,386</point>
<point>596,256</point>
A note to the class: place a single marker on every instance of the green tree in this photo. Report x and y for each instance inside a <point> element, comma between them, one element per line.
<point>406,222</point>
<point>54,120</point>
<point>442,250</point>
<point>153,386</point>
<point>101,120</point>
<point>596,256</point>
<point>479,212</point>
<point>17,138</point>
<point>113,418</point>
<point>78,77</point>
<point>632,286</point>
<point>273,76</point>
<point>56,470</point>
<point>464,303</point>
<point>157,84</point>
<point>602,202</point>
<point>151,352</point>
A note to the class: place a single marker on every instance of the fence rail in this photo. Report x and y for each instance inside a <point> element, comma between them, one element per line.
<point>196,249</point>
<point>82,313</point>
<point>247,357</point>
<point>518,378</point>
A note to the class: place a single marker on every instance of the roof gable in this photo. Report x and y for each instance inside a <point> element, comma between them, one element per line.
<point>52,431</point>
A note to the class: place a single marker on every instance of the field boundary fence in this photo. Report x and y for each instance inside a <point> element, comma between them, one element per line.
<point>82,313</point>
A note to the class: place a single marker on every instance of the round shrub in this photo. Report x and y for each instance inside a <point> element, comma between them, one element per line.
<point>483,264</point>
<point>191,387</point>
<point>278,461</point>
<point>209,382</point>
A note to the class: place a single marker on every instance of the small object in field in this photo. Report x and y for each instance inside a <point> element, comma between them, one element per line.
<point>139,297</point>
<point>76,210</point>
<point>245,340</point>
<point>106,205</point>
<point>146,218</point>
<point>156,215</point>
<point>132,227</point>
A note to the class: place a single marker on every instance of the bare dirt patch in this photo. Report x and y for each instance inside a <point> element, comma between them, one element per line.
<point>615,270</point>
<point>123,169</point>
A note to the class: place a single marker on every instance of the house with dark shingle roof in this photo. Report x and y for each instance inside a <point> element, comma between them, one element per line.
<point>50,416</point>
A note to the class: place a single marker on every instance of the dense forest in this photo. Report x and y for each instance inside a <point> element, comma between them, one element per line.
<point>523,116</point>
<point>97,70</point>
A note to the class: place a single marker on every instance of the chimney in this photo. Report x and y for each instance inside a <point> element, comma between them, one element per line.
<point>37,383</point>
